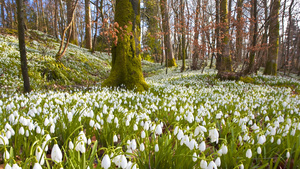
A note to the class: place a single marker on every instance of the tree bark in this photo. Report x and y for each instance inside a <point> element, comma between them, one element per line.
<point>73,36</point>
<point>226,63</point>
<point>2,14</point>
<point>21,34</point>
<point>167,34</point>
<point>217,33</point>
<point>254,37</point>
<point>196,38</point>
<point>183,54</point>
<point>62,48</point>
<point>126,60</point>
<point>239,30</point>
<point>88,30</point>
<point>56,19</point>
<point>271,66</point>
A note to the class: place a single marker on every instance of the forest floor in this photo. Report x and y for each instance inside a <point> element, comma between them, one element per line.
<point>185,120</point>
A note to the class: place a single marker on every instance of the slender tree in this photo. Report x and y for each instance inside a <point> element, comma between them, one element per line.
<point>183,51</point>
<point>70,18</point>
<point>88,30</point>
<point>254,30</point>
<point>239,30</point>
<point>2,14</point>
<point>21,34</point>
<point>271,65</point>
<point>126,61</point>
<point>170,61</point>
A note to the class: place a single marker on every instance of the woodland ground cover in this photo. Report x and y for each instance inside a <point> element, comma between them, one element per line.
<point>185,120</point>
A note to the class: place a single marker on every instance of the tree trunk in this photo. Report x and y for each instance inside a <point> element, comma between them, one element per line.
<point>62,48</point>
<point>183,54</point>
<point>226,65</point>
<point>217,33</point>
<point>289,35</point>
<point>2,14</point>
<point>167,34</point>
<point>21,34</point>
<point>239,30</point>
<point>254,37</point>
<point>96,26</point>
<point>271,66</point>
<point>126,61</point>
<point>88,30</point>
<point>56,19</point>
<point>73,37</point>
<point>196,39</point>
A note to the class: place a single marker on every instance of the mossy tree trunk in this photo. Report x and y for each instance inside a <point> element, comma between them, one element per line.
<point>167,34</point>
<point>88,30</point>
<point>271,65</point>
<point>225,58</point>
<point>21,34</point>
<point>126,61</point>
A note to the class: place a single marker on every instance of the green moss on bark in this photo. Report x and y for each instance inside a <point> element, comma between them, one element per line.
<point>172,62</point>
<point>126,60</point>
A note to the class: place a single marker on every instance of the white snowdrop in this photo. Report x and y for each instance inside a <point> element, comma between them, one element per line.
<point>143,134</point>
<point>56,154</point>
<point>202,146</point>
<point>106,163</point>
<point>156,148</point>
<point>71,145</point>
<point>249,153</point>
<point>218,162</point>
<point>214,135</point>
<point>158,130</point>
<point>115,138</point>
<point>142,147</point>
<point>288,154</point>
<point>203,164</point>
<point>40,155</point>
<point>258,150</point>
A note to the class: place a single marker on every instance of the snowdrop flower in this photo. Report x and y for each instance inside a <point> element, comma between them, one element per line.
<point>224,149</point>
<point>262,139</point>
<point>288,154</point>
<point>158,130</point>
<point>7,166</point>
<point>52,128</point>
<point>38,129</point>
<point>15,166</point>
<point>6,155</point>
<point>105,163</point>
<point>135,127</point>
<point>133,144</point>
<point>82,137</point>
<point>142,147</point>
<point>214,135</point>
<point>242,166</point>
<point>279,141</point>
<point>21,130</point>
<point>258,150</point>
<point>180,134</point>
<point>115,139</point>
<point>203,164</point>
<point>56,154</point>
<point>40,155</point>
<point>143,134</point>
<point>202,146</point>
<point>249,153</point>
<point>92,123</point>
<point>37,166</point>
<point>212,165</point>
<point>156,148</point>
<point>80,146</point>
<point>71,145</point>
<point>195,157</point>
<point>218,162</point>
